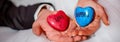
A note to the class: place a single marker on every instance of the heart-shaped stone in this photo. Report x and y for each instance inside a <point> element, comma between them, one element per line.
<point>58,21</point>
<point>84,16</point>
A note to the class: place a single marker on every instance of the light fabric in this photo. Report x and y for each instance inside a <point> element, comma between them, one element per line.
<point>104,34</point>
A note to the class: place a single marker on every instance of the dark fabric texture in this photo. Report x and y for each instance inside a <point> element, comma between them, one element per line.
<point>18,18</point>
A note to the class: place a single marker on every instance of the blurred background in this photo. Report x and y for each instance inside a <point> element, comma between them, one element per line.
<point>104,34</point>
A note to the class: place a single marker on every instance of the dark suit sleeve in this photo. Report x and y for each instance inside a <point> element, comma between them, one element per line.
<point>19,18</point>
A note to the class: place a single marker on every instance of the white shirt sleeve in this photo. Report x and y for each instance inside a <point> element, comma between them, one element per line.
<point>40,7</point>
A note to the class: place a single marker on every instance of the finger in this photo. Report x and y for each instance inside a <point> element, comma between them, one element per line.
<point>77,38</point>
<point>74,32</point>
<point>71,28</point>
<point>82,32</point>
<point>80,38</point>
<point>36,29</point>
<point>90,29</point>
<point>104,16</point>
<point>83,38</point>
<point>98,10</point>
<point>95,0</point>
<point>63,39</point>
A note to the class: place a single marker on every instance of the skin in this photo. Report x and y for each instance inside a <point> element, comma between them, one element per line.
<point>41,25</point>
<point>74,32</point>
<point>100,14</point>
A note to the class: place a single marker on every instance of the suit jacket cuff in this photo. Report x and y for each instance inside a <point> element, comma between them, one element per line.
<point>47,5</point>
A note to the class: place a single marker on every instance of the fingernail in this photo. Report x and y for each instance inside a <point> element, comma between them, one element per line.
<point>73,33</point>
<point>80,33</point>
<point>77,38</point>
<point>84,37</point>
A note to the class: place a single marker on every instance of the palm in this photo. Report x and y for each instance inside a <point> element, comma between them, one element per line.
<point>99,14</point>
<point>52,34</point>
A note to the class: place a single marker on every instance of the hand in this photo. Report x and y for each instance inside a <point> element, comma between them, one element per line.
<point>41,25</point>
<point>83,32</point>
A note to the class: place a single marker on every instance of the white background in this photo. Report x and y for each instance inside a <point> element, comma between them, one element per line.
<point>104,34</point>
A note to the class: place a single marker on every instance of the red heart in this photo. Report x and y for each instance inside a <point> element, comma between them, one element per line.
<point>58,21</point>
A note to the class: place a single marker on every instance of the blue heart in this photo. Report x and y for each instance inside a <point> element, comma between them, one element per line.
<point>84,16</point>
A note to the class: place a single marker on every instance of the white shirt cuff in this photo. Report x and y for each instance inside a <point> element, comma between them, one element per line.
<point>40,7</point>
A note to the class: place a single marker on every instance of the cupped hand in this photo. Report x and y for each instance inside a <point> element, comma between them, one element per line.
<point>41,25</point>
<point>99,14</point>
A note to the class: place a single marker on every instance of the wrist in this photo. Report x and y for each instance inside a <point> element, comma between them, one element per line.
<point>44,6</point>
<point>42,11</point>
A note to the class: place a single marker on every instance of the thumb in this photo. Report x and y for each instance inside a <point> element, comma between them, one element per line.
<point>36,29</point>
<point>104,17</point>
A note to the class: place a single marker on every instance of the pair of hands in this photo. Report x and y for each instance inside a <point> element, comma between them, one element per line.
<point>74,32</point>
